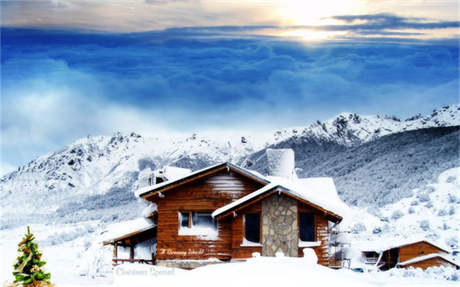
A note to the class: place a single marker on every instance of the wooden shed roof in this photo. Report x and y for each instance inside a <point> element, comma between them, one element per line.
<point>427,257</point>
<point>381,247</point>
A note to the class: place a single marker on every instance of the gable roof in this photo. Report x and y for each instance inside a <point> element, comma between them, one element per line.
<point>167,185</point>
<point>381,247</point>
<point>319,193</point>
<point>427,257</point>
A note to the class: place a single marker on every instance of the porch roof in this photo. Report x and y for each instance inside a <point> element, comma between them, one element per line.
<point>128,230</point>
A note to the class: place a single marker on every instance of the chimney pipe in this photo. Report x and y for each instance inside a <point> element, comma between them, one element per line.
<point>281,163</point>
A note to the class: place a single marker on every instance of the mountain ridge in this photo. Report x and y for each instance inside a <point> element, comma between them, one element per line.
<point>118,165</point>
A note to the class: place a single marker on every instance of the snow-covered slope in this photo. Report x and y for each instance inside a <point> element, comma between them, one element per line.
<point>74,179</point>
<point>377,172</point>
<point>432,213</point>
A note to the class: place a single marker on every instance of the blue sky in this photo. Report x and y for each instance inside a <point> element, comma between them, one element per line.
<point>62,80</point>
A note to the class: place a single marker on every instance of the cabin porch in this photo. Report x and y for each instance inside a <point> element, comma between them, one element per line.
<point>135,247</point>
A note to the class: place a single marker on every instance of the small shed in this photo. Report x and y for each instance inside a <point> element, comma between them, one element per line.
<point>421,253</point>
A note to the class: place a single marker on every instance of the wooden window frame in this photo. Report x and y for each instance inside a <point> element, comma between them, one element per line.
<point>190,217</point>
<point>190,213</point>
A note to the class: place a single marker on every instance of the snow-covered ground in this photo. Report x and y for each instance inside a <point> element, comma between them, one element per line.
<point>76,256</point>
<point>73,198</point>
<point>273,271</point>
<point>259,271</point>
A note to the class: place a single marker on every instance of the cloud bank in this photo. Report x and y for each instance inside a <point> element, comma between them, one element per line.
<point>59,85</point>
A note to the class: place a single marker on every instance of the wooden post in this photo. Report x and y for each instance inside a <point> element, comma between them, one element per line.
<point>115,250</point>
<point>131,251</point>
<point>115,253</point>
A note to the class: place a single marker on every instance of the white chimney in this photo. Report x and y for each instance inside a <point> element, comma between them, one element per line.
<point>281,163</point>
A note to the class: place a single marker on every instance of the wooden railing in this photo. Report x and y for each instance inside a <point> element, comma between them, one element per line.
<point>117,261</point>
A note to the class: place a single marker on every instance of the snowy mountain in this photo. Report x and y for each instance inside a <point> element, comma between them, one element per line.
<point>99,173</point>
<point>93,175</point>
<point>353,129</point>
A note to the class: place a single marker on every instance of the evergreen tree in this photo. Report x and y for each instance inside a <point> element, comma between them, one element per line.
<point>28,269</point>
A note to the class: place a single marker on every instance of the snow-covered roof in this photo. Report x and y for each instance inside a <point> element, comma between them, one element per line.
<point>426,257</point>
<point>120,230</point>
<point>148,189</point>
<point>383,245</point>
<point>174,172</point>
<point>243,199</point>
<point>318,191</point>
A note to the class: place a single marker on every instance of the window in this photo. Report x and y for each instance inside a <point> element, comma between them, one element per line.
<point>197,223</point>
<point>307,227</point>
<point>203,219</point>
<point>252,227</point>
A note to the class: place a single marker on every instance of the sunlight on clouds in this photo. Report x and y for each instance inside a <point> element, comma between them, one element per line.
<point>144,15</point>
<point>313,12</point>
<point>312,35</point>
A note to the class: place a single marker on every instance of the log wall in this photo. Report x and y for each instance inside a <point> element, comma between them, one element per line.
<point>239,251</point>
<point>205,194</point>
<point>321,234</point>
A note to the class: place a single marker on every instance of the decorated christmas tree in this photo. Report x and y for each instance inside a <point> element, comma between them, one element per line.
<point>28,269</point>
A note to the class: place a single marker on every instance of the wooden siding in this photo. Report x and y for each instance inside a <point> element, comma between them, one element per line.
<point>239,251</point>
<point>321,234</point>
<point>437,261</point>
<point>205,194</point>
<point>417,249</point>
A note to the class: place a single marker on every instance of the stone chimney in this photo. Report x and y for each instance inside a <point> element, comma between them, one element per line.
<point>281,163</point>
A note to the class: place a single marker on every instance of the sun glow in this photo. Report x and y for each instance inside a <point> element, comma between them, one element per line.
<point>314,13</point>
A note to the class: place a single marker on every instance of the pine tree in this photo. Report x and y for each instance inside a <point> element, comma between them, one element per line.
<point>28,269</point>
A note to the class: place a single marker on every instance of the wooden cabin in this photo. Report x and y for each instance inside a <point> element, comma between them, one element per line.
<point>409,253</point>
<point>225,212</point>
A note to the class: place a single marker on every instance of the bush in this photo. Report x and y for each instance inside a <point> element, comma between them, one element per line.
<point>425,225</point>
<point>397,214</point>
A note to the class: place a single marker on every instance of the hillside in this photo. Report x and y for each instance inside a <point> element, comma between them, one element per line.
<point>378,172</point>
